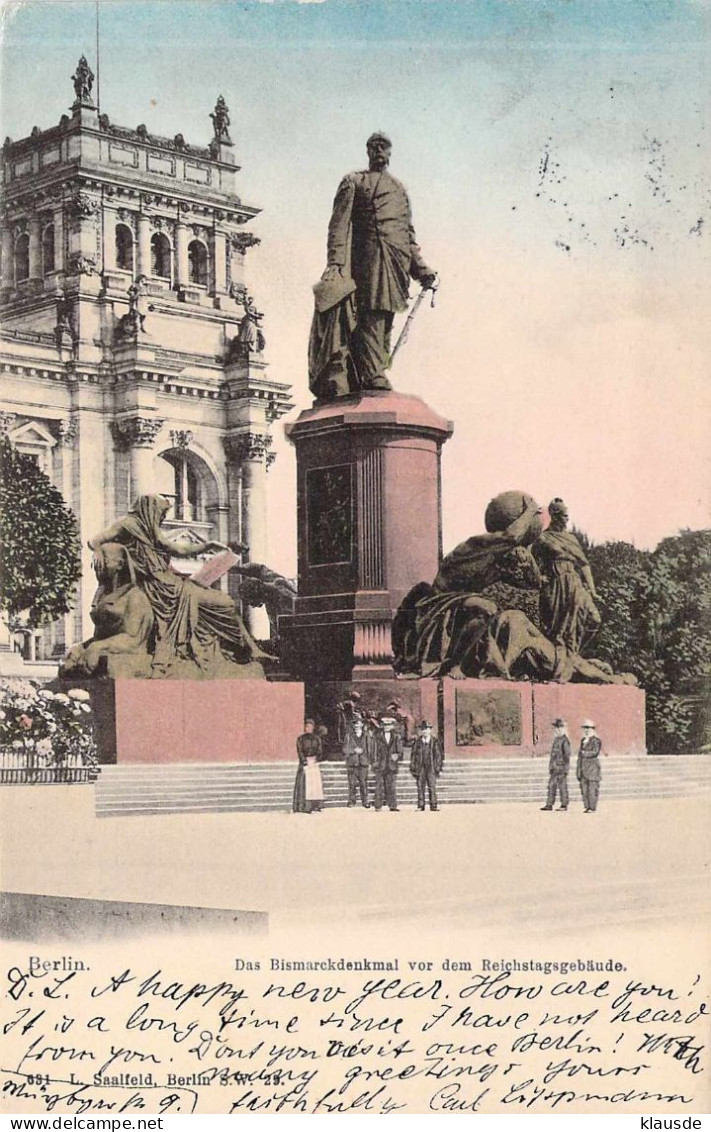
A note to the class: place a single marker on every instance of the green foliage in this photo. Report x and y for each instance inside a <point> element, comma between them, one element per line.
<point>656,607</point>
<point>40,563</point>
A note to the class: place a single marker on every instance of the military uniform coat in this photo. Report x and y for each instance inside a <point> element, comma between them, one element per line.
<point>372,221</point>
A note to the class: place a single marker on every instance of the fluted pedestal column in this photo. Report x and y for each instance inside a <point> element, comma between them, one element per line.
<point>369,529</point>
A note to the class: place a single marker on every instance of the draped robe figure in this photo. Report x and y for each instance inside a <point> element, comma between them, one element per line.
<point>481,616</point>
<point>198,632</point>
<point>570,616</point>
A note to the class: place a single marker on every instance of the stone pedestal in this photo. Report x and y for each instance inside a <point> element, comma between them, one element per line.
<point>369,528</point>
<point>196,721</point>
<point>492,718</point>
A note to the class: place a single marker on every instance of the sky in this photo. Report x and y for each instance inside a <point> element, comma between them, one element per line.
<point>556,156</point>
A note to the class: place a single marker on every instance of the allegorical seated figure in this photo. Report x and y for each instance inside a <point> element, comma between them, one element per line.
<point>197,632</point>
<point>123,621</point>
<point>481,616</point>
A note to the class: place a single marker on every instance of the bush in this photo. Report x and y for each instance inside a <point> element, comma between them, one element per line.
<point>40,562</point>
<point>657,624</point>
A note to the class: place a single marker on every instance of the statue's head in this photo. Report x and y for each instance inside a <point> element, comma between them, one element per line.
<point>505,508</point>
<point>379,149</point>
<point>558,512</point>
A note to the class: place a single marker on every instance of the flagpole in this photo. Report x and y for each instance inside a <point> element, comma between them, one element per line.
<point>98,63</point>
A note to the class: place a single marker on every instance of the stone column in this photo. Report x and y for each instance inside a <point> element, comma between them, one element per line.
<point>8,268</point>
<point>219,262</point>
<point>138,435</point>
<point>250,451</point>
<point>58,221</point>
<point>35,232</point>
<point>109,238</point>
<point>182,239</point>
<point>144,246</point>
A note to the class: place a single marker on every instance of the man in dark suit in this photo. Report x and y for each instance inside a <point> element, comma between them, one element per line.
<point>558,767</point>
<point>426,762</point>
<point>387,756</point>
<point>357,749</point>
<point>589,772</point>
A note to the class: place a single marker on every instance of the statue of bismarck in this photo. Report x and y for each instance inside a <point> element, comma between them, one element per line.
<point>372,254</point>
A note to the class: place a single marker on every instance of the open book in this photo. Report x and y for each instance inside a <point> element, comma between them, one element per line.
<point>211,571</point>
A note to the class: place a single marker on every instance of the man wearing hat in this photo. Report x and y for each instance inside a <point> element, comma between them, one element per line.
<point>387,755</point>
<point>426,762</point>
<point>558,767</point>
<point>589,772</point>
<point>357,751</point>
<point>372,251</point>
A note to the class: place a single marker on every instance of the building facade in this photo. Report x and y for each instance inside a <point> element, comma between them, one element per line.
<point>131,354</point>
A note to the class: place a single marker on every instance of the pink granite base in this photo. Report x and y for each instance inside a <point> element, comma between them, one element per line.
<point>617,710</point>
<point>174,721</point>
<point>500,718</point>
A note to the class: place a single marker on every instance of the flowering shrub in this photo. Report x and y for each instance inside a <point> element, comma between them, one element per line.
<point>46,728</point>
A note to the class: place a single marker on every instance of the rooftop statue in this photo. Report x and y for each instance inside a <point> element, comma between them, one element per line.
<point>483,614</point>
<point>372,254</point>
<point>196,631</point>
<point>83,79</point>
<point>221,121</point>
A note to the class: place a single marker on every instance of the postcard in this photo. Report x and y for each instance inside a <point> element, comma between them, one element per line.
<point>354,416</point>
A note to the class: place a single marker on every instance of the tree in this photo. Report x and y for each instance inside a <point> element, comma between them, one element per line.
<point>40,561</point>
<point>656,610</point>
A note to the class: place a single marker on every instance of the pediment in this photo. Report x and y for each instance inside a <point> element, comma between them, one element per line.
<point>33,433</point>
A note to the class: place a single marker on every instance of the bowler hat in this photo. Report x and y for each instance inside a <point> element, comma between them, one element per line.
<point>559,723</point>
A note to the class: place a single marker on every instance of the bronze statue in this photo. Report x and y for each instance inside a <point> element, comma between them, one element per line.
<point>372,254</point>
<point>264,587</point>
<point>123,621</point>
<point>568,595</point>
<point>197,631</point>
<point>481,616</point>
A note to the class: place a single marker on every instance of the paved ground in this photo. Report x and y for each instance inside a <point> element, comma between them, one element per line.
<point>503,867</point>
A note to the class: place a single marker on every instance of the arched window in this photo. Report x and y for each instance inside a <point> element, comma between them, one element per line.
<point>160,255</point>
<point>124,248</point>
<point>48,249</point>
<point>197,256</point>
<point>22,257</point>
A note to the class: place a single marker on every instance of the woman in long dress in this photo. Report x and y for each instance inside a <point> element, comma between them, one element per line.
<point>198,630</point>
<point>308,788</point>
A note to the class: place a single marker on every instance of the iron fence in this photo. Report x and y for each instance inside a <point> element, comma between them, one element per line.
<point>26,768</point>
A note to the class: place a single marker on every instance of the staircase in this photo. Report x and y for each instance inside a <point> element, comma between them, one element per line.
<point>254,787</point>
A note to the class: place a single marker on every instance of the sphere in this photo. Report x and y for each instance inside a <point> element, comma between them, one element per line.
<point>504,508</point>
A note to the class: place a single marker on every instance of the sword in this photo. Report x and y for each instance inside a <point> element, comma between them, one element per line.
<point>408,321</point>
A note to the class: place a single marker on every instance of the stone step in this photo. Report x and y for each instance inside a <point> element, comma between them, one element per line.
<point>263,787</point>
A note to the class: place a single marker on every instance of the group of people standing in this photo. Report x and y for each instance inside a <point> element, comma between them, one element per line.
<point>373,747</point>
<point>588,770</point>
